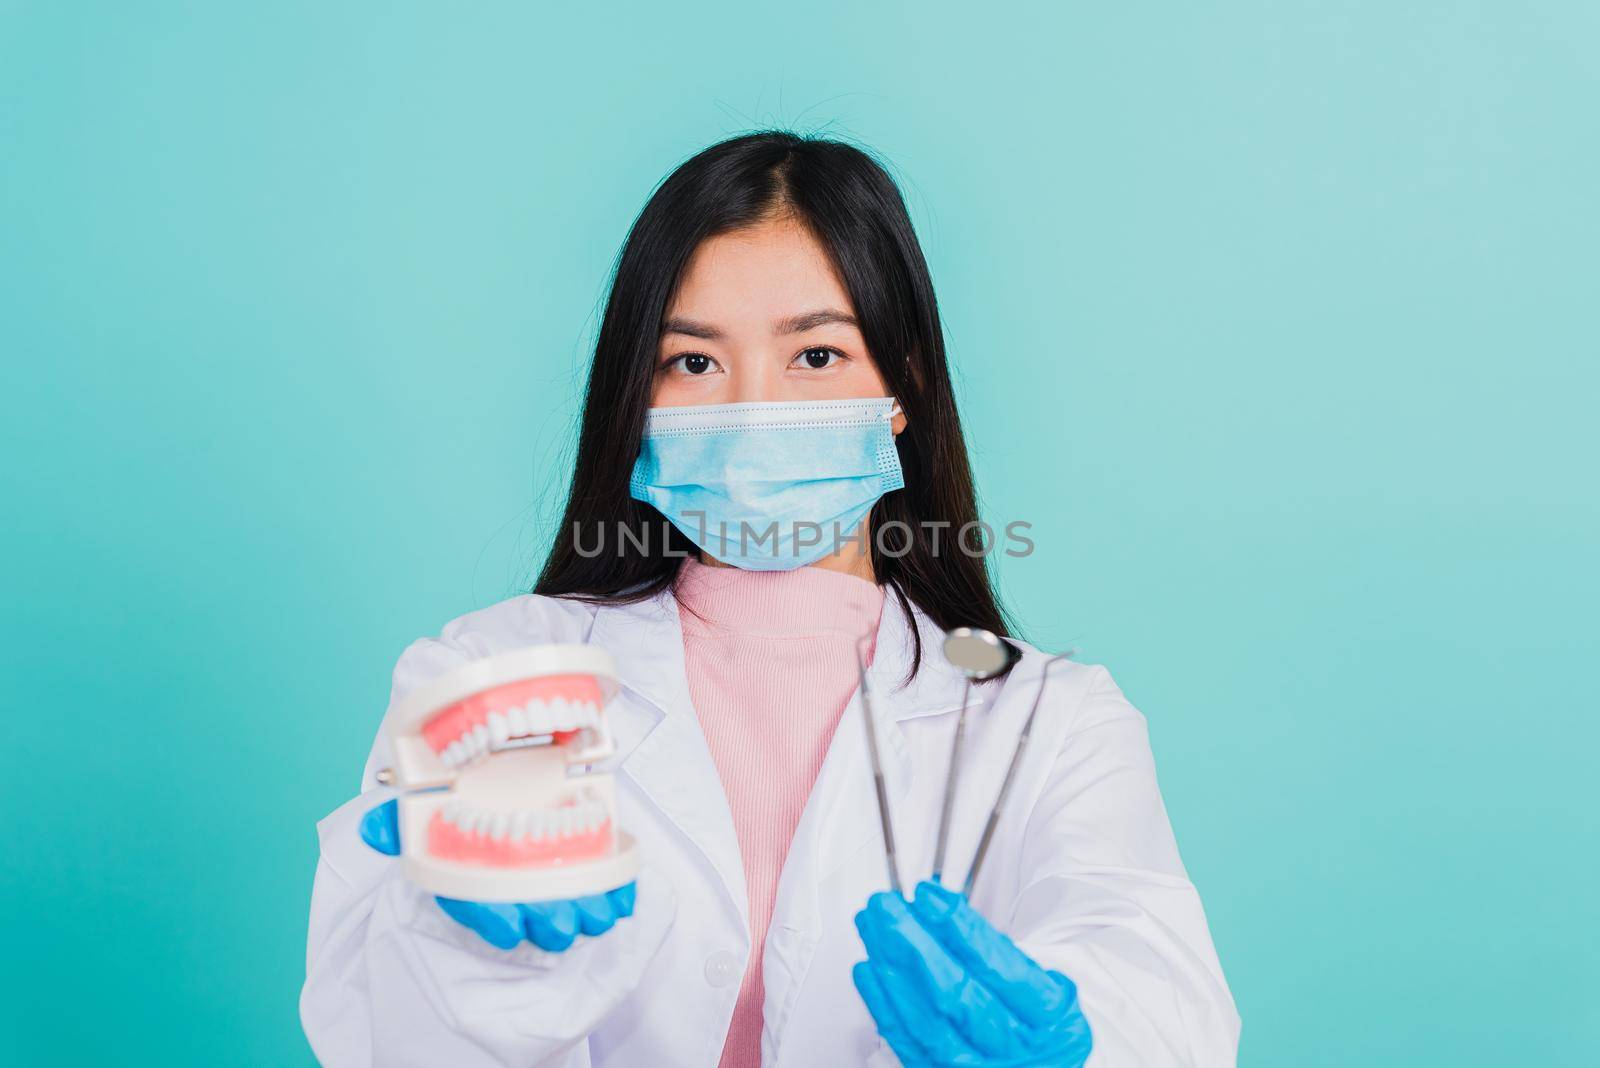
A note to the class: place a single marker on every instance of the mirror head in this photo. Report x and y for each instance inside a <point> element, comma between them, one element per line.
<point>979,654</point>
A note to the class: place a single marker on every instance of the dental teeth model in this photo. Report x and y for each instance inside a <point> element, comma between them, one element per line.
<point>500,805</point>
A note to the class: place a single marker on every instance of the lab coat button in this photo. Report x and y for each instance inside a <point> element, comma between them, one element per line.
<point>722,968</point>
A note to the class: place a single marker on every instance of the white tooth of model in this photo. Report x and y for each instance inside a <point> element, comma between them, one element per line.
<point>541,716</point>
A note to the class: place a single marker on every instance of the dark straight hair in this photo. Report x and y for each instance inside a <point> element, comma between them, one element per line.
<point>855,211</point>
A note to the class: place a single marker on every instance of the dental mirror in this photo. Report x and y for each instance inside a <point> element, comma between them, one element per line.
<point>977,654</point>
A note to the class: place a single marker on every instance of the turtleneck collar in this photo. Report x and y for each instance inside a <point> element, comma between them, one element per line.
<point>782,604</point>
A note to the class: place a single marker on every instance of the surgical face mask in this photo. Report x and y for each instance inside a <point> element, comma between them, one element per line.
<point>768,486</point>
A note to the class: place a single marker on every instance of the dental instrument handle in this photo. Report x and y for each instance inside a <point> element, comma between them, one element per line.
<point>877,779</point>
<point>994,817</point>
<point>888,835</point>
<point>950,784</point>
<point>1011,774</point>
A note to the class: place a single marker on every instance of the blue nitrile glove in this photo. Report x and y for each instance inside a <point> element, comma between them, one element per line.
<point>948,990</point>
<point>551,925</point>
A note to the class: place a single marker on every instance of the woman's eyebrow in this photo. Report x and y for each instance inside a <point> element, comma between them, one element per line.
<point>678,324</point>
<point>799,324</point>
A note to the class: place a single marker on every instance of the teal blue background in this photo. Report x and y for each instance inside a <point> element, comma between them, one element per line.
<point>1277,320</point>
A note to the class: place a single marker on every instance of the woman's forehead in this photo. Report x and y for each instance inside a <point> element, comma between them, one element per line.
<point>760,277</point>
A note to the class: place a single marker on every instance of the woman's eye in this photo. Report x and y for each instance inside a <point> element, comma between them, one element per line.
<point>693,363</point>
<point>818,358</point>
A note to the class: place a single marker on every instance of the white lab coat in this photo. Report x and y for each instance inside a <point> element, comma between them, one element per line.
<point>1083,873</point>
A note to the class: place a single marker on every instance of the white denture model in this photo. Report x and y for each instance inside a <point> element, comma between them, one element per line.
<point>500,808</point>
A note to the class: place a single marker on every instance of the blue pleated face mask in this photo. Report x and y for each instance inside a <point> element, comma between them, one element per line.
<point>768,486</point>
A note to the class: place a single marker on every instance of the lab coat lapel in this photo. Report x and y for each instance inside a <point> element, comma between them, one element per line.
<point>848,814</point>
<point>840,825</point>
<point>660,745</point>
<point>847,820</point>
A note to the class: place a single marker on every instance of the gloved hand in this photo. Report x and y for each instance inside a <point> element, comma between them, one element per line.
<point>550,925</point>
<point>948,990</point>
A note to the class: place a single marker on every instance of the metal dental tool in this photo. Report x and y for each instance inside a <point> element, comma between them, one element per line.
<point>1011,774</point>
<point>979,655</point>
<point>877,770</point>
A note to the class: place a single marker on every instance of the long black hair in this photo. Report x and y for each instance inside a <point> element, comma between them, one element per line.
<point>855,211</point>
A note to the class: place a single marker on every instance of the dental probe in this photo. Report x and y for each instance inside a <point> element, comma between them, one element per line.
<point>877,772</point>
<point>1011,774</point>
<point>979,654</point>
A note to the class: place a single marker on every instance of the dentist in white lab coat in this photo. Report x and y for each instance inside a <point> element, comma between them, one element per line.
<point>1083,874</point>
<point>768,275</point>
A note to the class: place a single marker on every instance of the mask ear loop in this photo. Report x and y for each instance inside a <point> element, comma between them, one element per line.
<point>894,409</point>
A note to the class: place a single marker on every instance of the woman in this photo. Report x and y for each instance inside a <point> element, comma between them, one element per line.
<point>771,466</point>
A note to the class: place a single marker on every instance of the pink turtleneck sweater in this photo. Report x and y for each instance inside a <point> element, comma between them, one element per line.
<point>771,662</point>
